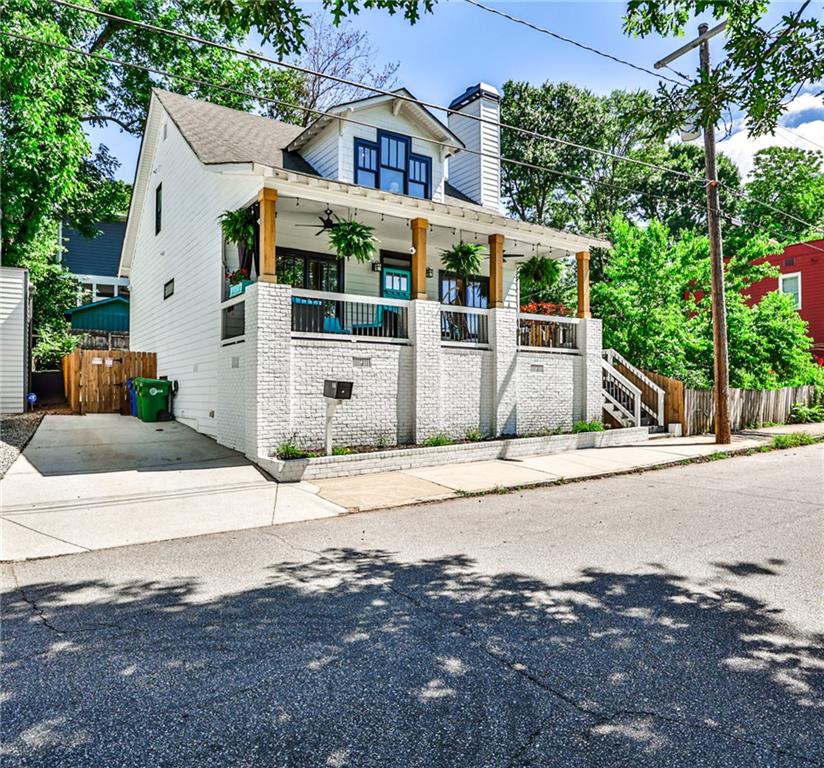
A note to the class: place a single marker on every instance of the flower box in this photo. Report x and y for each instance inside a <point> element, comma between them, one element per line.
<point>237,288</point>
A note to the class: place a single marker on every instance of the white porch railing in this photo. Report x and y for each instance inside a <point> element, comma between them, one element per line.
<point>652,396</point>
<point>622,399</point>
<point>547,331</point>
<point>346,314</point>
<point>468,325</point>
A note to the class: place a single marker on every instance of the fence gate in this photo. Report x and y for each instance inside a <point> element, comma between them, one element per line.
<point>94,380</point>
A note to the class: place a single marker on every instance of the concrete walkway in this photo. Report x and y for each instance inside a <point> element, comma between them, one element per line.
<point>103,480</point>
<point>99,481</point>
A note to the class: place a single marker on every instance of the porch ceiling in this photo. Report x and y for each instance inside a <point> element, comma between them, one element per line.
<point>298,215</point>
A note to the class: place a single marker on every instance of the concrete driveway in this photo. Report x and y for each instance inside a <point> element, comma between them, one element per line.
<point>103,480</point>
<point>665,620</point>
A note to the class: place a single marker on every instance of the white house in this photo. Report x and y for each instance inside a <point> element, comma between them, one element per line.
<point>427,354</point>
<point>14,339</point>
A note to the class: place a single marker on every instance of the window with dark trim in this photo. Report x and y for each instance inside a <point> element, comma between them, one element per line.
<point>168,289</point>
<point>389,164</point>
<point>471,293</point>
<point>366,163</point>
<point>158,207</point>
<point>315,271</point>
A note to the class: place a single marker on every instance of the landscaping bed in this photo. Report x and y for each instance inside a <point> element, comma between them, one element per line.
<point>15,432</point>
<point>402,458</point>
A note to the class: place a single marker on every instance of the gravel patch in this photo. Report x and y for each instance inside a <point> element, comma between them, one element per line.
<point>15,432</point>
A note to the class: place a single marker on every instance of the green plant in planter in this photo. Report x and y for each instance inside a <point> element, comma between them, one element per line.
<point>587,426</point>
<point>352,239</point>
<point>464,259</point>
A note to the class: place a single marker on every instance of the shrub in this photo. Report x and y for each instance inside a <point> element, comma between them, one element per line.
<point>806,414</point>
<point>341,450</point>
<point>436,440</point>
<point>792,440</point>
<point>587,426</point>
<point>52,344</point>
<point>289,450</point>
<point>474,435</point>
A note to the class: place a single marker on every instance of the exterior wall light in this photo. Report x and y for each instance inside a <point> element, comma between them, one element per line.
<point>376,266</point>
<point>430,272</point>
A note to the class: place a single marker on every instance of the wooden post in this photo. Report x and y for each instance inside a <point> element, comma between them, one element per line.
<point>268,200</point>
<point>496,271</point>
<point>582,257</point>
<point>419,228</point>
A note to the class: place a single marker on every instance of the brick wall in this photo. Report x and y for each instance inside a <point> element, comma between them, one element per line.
<point>271,385</point>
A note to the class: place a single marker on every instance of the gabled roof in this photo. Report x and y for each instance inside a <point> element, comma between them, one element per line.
<point>420,114</point>
<point>222,135</point>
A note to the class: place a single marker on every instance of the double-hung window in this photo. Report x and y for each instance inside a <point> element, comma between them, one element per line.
<point>791,283</point>
<point>389,164</point>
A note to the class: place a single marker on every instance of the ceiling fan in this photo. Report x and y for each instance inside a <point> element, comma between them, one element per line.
<point>326,222</point>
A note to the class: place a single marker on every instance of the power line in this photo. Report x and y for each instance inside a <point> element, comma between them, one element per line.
<point>321,113</point>
<point>372,88</point>
<point>569,40</point>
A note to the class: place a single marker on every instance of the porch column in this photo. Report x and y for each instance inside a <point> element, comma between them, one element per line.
<point>582,258</point>
<point>268,200</point>
<point>419,228</point>
<point>496,271</point>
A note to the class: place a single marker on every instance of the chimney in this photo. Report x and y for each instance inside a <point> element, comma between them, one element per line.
<point>477,176</point>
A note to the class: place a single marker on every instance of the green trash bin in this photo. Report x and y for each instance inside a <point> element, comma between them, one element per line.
<point>152,397</point>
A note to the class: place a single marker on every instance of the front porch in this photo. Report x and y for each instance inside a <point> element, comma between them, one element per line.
<point>429,353</point>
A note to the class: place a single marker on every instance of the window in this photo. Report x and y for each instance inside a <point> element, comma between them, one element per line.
<point>420,173</point>
<point>158,207</point>
<point>366,163</point>
<point>104,291</point>
<point>315,271</point>
<point>390,165</point>
<point>169,289</point>
<point>791,283</point>
<point>452,290</point>
<point>393,159</point>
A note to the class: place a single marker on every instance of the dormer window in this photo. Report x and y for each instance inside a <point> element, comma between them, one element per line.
<point>390,165</point>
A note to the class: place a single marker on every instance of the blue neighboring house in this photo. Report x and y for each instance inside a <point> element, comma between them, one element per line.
<point>96,261</point>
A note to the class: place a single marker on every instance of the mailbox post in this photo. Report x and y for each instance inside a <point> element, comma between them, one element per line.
<point>335,392</point>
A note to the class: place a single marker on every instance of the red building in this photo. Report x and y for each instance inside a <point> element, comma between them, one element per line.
<point>802,275</point>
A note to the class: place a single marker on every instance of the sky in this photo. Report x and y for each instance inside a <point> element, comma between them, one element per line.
<point>459,45</point>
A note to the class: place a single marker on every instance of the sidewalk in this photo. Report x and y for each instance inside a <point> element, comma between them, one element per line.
<point>394,489</point>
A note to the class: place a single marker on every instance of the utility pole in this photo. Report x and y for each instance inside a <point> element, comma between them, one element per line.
<point>719,305</point>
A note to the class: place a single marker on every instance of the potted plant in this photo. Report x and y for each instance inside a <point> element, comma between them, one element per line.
<point>239,227</point>
<point>353,239</point>
<point>537,275</point>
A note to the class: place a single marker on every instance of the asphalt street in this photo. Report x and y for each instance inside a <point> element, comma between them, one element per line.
<point>668,618</point>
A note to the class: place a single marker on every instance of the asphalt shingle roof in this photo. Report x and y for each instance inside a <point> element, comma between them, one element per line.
<point>222,135</point>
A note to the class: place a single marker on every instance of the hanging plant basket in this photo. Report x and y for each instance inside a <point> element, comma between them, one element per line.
<point>464,259</point>
<point>353,239</point>
<point>239,227</point>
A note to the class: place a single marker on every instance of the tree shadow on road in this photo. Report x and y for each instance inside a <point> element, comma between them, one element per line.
<point>354,658</point>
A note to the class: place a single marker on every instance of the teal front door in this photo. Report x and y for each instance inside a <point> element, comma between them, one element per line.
<point>396,283</point>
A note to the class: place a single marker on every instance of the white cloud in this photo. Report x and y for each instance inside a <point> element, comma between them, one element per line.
<point>801,126</point>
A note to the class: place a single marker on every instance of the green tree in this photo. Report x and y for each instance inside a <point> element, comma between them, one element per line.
<point>760,67</point>
<point>656,310</point>
<point>790,180</point>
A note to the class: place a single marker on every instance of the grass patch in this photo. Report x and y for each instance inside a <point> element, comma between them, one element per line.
<point>475,435</point>
<point>718,455</point>
<point>436,440</point>
<point>587,426</point>
<point>341,450</point>
<point>792,440</point>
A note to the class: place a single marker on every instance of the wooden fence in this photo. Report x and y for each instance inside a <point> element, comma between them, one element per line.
<point>673,399</point>
<point>94,380</point>
<point>748,407</point>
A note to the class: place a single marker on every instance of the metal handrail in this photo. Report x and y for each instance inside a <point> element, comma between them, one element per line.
<point>352,298</point>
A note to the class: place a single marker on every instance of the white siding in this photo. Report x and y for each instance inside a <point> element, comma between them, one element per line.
<point>343,140</point>
<point>322,153</point>
<point>184,329</point>
<point>478,177</point>
<point>13,321</point>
